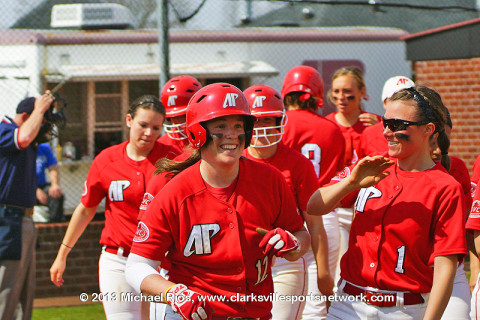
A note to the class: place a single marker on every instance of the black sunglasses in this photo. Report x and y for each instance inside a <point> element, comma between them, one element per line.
<point>398,124</point>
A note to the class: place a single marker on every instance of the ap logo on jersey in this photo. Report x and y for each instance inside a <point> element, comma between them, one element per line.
<point>230,100</point>
<point>199,239</point>
<point>115,191</point>
<point>258,102</point>
<point>171,101</point>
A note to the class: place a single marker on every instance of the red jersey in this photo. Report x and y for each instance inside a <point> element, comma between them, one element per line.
<point>212,245</point>
<point>122,181</point>
<point>458,170</point>
<point>473,222</point>
<point>318,139</point>
<point>475,174</point>
<point>401,224</point>
<point>372,141</point>
<point>352,138</point>
<point>157,183</point>
<point>297,170</point>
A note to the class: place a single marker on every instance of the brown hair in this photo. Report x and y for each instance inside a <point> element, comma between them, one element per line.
<point>146,102</point>
<point>293,98</point>
<point>175,167</point>
<point>430,108</point>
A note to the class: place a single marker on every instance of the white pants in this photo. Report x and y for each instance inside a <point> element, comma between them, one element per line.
<point>111,276</point>
<point>475,303</point>
<point>345,307</point>
<point>315,306</point>
<point>345,217</point>
<point>289,279</point>
<point>458,307</point>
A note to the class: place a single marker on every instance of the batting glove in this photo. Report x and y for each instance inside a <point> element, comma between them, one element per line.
<point>279,242</point>
<point>186,303</point>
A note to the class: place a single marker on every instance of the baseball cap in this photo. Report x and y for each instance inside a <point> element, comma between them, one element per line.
<point>395,84</point>
<point>26,105</point>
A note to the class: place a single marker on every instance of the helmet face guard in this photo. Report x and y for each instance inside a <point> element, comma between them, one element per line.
<point>175,131</point>
<point>264,101</point>
<point>272,135</point>
<point>215,101</point>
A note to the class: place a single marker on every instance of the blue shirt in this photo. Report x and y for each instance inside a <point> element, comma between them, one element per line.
<point>45,159</point>
<point>18,181</point>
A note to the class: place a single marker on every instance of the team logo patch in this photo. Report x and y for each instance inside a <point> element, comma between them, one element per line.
<point>473,188</point>
<point>342,174</point>
<point>142,233</point>
<point>475,212</point>
<point>147,198</point>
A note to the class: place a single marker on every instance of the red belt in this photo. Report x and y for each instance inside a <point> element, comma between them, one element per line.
<point>382,299</point>
<point>114,250</point>
<point>235,318</point>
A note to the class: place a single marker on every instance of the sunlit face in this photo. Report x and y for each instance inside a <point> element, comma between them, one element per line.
<point>266,132</point>
<point>145,128</point>
<point>346,94</point>
<point>228,140</point>
<point>404,143</point>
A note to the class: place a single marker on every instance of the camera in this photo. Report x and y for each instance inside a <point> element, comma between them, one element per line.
<point>54,118</point>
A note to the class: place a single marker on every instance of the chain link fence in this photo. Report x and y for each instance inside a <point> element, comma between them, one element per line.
<point>100,55</point>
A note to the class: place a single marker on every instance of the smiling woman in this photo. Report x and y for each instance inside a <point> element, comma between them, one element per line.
<point>203,226</point>
<point>408,234</point>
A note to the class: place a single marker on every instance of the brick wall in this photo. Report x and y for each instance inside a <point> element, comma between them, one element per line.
<point>81,274</point>
<point>458,82</point>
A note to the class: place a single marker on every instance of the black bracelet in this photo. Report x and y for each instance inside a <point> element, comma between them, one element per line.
<point>67,246</point>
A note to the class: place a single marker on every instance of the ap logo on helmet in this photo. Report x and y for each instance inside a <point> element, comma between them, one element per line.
<point>230,100</point>
<point>258,102</point>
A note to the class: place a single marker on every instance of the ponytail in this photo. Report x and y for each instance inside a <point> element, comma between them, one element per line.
<point>444,143</point>
<point>175,167</point>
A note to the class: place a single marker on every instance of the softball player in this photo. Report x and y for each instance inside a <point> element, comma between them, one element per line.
<point>119,174</point>
<point>204,220</point>
<point>175,96</point>
<point>289,277</point>
<point>322,142</point>
<point>408,219</point>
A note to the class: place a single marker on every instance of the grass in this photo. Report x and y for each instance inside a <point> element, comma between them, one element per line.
<point>88,312</point>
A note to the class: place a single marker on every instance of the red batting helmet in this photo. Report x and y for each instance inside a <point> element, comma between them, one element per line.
<point>175,96</point>
<point>214,101</point>
<point>265,101</point>
<point>304,79</point>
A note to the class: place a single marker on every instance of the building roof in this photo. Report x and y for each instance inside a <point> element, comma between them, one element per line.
<point>455,41</point>
<point>412,16</point>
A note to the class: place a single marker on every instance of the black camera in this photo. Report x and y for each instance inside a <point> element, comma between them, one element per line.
<point>54,118</point>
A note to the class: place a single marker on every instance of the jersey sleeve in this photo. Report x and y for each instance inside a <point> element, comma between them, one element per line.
<point>8,137</point>
<point>449,227</point>
<point>338,159</point>
<point>153,237</point>
<point>94,191</point>
<point>153,188</point>
<point>473,222</point>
